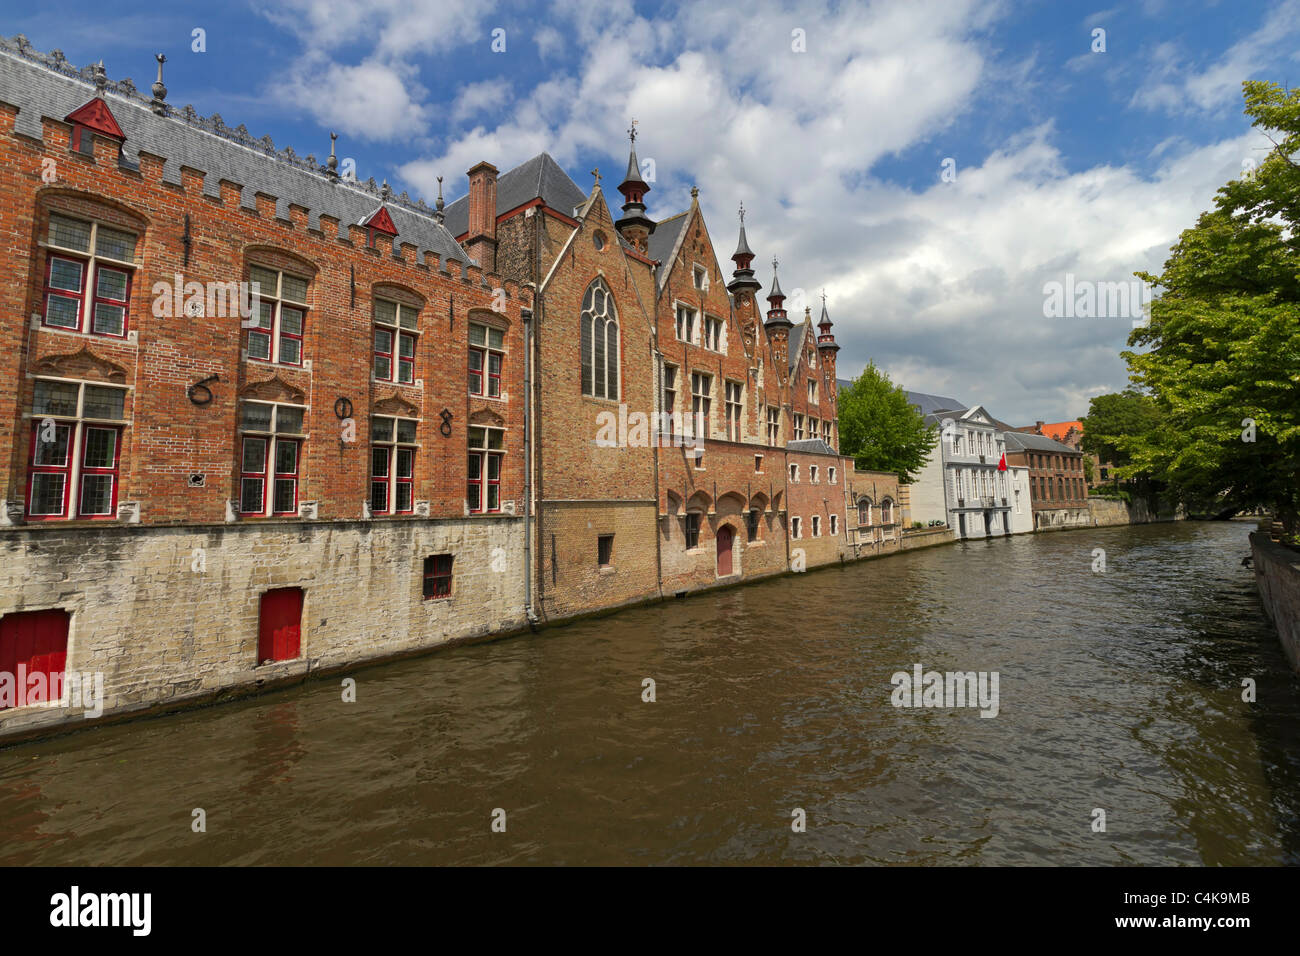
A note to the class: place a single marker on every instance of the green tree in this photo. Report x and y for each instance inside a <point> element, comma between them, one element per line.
<point>1116,420</point>
<point>1223,344</point>
<point>880,429</point>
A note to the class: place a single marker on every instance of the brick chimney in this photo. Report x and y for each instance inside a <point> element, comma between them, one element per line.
<point>481,240</point>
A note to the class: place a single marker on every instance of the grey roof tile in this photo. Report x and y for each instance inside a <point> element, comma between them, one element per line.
<point>810,444</point>
<point>1019,441</point>
<point>46,86</point>
<point>540,176</point>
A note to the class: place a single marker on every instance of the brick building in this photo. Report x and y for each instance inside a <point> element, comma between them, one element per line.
<point>196,499</point>
<point>1071,434</point>
<point>261,420</point>
<point>669,412</point>
<point>1057,490</point>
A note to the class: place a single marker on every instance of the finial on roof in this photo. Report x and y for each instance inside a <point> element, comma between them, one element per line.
<point>386,192</point>
<point>695,192</point>
<point>632,132</point>
<point>333,161</point>
<point>438,214</point>
<point>159,91</point>
<point>596,175</point>
<point>742,212</point>
<point>101,78</point>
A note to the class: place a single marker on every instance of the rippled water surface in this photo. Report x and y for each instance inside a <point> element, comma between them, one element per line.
<point>1119,691</point>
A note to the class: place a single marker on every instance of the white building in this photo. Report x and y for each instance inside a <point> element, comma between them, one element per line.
<point>1021,514</point>
<point>962,484</point>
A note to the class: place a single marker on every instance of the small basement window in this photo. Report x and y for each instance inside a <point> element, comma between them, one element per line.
<point>605,550</point>
<point>437,576</point>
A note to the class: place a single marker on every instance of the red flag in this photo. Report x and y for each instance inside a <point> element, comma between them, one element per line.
<point>1002,462</point>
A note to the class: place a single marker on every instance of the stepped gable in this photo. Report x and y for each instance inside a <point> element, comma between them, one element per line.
<point>540,177</point>
<point>47,85</point>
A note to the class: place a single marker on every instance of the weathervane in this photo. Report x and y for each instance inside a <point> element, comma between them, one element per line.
<point>742,212</point>
<point>632,132</point>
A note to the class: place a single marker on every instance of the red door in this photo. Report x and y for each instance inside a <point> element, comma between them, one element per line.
<point>279,632</point>
<point>38,642</point>
<point>724,550</point>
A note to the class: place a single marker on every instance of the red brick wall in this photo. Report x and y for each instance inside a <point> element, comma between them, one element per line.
<point>168,437</point>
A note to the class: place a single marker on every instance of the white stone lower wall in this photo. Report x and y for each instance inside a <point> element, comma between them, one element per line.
<point>167,615</point>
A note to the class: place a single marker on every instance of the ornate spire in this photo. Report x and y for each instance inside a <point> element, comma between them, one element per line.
<point>743,275</point>
<point>157,104</point>
<point>825,340</point>
<point>438,206</point>
<point>333,162</point>
<point>101,78</point>
<point>635,226</point>
<point>776,316</point>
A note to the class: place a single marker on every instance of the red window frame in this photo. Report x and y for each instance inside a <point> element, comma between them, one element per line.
<point>245,475</point>
<point>77,444</point>
<point>482,485</point>
<point>476,355</point>
<point>484,372</point>
<point>99,471</point>
<point>405,363</point>
<point>437,576</point>
<point>65,469</point>
<point>405,482</point>
<point>95,299</point>
<point>79,296</point>
<point>380,453</point>
<point>380,353</point>
<point>280,476</point>
<point>291,336</point>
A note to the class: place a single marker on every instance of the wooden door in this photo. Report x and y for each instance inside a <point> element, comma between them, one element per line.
<point>724,550</point>
<point>36,641</point>
<point>279,634</point>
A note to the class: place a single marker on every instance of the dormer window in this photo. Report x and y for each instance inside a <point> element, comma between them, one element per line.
<point>83,140</point>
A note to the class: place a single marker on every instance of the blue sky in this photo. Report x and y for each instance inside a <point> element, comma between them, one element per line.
<point>1067,160</point>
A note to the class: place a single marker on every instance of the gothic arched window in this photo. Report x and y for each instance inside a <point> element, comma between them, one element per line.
<point>599,342</point>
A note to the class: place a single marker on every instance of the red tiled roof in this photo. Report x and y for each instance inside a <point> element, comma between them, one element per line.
<point>1058,430</point>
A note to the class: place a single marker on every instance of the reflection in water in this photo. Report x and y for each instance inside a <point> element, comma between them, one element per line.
<point>1119,691</point>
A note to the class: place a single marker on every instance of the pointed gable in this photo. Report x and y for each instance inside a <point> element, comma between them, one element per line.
<point>381,221</point>
<point>95,115</point>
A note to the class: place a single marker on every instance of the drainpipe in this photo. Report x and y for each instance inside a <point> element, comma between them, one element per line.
<point>529,613</point>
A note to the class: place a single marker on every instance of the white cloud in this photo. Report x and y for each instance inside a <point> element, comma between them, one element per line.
<point>1176,87</point>
<point>942,286</point>
<point>371,99</point>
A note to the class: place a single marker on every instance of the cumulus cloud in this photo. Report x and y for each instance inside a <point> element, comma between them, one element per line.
<point>940,283</point>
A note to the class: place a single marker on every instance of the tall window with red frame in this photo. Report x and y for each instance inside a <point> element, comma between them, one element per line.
<point>275,332</point>
<point>271,437</point>
<point>486,448</point>
<point>396,329</point>
<point>75,450</point>
<point>392,465</point>
<point>88,273</point>
<point>486,358</point>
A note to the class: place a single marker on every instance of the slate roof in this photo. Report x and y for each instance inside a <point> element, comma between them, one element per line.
<point>795,343</point>
<point>929,404</point>
<point>1019,441</point>
<point>663,240</point>
<point>540,177</point>
<point>49,86</point>
<point>810,444</point>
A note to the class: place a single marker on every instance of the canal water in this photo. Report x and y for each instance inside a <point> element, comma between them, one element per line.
<point>1118,690</point>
